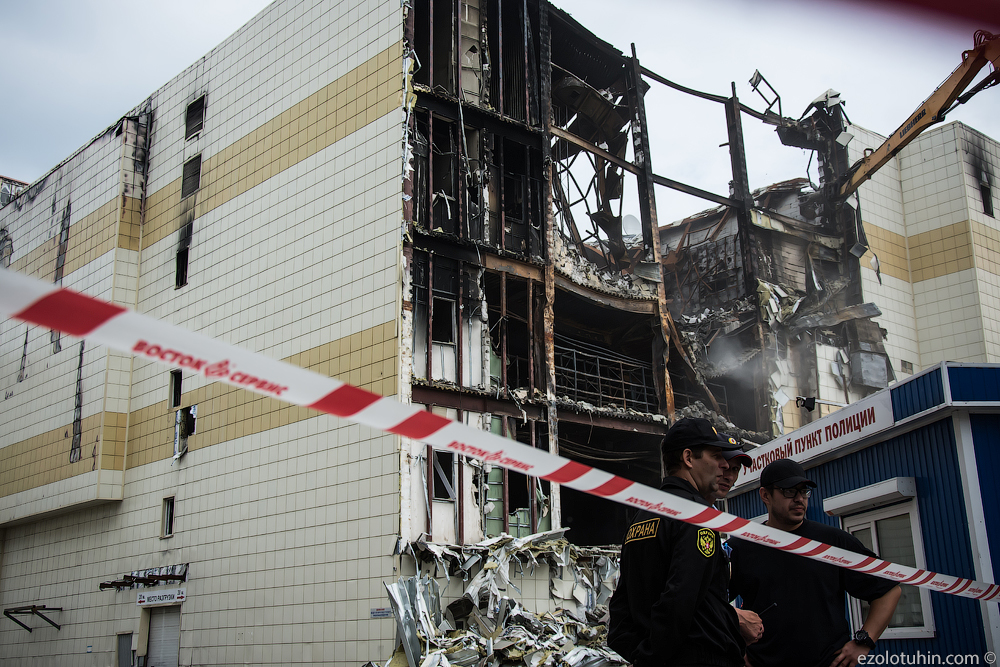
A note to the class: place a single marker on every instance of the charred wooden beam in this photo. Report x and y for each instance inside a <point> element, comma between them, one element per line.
<point>482,403</point>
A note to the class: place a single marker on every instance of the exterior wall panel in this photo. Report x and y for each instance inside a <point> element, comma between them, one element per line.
<point>986,435</point>
<point>921,393</point>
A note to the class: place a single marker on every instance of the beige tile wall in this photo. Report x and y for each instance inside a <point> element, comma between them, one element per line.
<point>44,459</point>
<point>89,238</point>
<point>941,251</point>
<point>369,91</point>
<point>367,359</point>
<point>891,249</point>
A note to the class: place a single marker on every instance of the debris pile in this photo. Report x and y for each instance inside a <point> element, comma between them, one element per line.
<point>487,627</point>
<point>698,409</point>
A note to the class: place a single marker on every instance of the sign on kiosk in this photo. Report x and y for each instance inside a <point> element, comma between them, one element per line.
<point>858,420</point>
<point>159,598</point>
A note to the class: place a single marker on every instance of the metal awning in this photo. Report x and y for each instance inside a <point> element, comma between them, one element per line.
<point>32,610</point>
<point>128,580</point>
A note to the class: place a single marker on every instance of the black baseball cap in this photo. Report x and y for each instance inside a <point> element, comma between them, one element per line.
<point>784,474</point>
<point>737,455</point>
<point>693,432</point>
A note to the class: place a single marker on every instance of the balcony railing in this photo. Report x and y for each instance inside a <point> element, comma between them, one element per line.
<point>585,372</point>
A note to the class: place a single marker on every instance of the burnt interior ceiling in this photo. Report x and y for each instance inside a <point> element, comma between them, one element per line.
<point>630,455</point>
<point>585,320</point>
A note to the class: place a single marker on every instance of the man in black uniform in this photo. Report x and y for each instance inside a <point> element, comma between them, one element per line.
<point>670,606</point>
<point>802,600</point>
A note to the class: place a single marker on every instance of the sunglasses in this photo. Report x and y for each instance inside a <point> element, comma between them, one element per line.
<point>791,493</point>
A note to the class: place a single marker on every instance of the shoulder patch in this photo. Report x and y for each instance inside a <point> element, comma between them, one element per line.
<point>706,542</point>
<point>642,530</point>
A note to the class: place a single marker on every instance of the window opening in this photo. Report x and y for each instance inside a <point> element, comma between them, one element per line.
<point>443,325</point>
<point>444,174</point>
<point>515,503</point>
<point>986,191</point>
<point>167,519</point>
<point>183,245</point>
<point>511,331</point>
<point>175,388</point>
<point>893,533</point>
<point>195,117</point>
<point>441,288</point>
<point>191,180</point>
<point>444,475</point>
<point>421,41</point>
<point>443,56</point>
<point>181,273</point>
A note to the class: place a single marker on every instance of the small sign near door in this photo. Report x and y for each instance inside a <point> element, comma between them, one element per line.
<point>157,598</point>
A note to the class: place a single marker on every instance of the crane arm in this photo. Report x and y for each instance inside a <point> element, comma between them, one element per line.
<point>986,50</point>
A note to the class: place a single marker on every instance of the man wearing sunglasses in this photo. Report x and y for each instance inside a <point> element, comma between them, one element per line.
<point>801,600</point>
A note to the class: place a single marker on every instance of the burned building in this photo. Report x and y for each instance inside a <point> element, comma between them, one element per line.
<point>424,200</point>
<point>831,300</point>
<point>530,309</point>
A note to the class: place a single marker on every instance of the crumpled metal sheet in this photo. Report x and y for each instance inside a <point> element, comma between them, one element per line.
<point>485,628</point>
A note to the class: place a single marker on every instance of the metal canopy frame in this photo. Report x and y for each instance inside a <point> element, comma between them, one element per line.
<point>128,581</point>
<point>32,610</point>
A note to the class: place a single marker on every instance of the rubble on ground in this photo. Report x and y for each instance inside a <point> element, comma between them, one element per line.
<point>486,627</point>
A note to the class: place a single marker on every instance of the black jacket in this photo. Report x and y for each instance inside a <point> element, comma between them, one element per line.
<point>806,625</point>
<point>671,604</point>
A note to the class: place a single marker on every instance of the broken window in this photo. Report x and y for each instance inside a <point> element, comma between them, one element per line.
<point>521,195</point>
<point>448,325</point>
<point>476,185</point>
<point>191,180</point>
<point>512,502</point>
<point>987,194</point>
<point>194,119</point>
<point>185,421</point>
<point>514,348</point>
<point>444,475</point>
<point>485,54</point>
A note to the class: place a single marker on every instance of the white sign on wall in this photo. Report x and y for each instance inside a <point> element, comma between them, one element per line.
<point>858,420</point>
<point>158,598</point>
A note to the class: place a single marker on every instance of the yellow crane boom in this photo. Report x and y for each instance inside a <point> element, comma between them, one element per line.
<point>986,50</point>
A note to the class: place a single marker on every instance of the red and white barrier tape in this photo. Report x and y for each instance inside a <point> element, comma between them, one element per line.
<point>43,304</point>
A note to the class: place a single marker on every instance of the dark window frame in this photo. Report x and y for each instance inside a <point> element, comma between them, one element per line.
<point>191,178</point>
<point>167,517</point>
<point>176,379</point>
<point>194,118</point>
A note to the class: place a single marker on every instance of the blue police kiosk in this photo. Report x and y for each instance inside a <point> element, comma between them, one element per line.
<point>914,472</point>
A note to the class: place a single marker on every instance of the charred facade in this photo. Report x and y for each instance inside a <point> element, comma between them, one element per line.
<point>529,305</point>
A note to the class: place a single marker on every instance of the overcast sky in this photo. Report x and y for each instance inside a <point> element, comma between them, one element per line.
<point>73,67</point>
